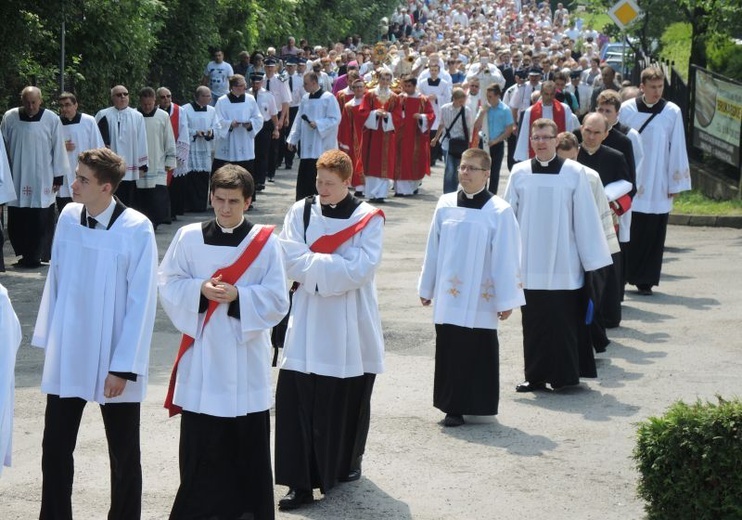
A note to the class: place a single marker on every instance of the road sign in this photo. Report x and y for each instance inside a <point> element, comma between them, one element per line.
<point>624,13</point>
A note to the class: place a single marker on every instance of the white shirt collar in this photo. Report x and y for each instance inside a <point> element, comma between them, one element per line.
<point>104,217</point>
<point>229,230</point>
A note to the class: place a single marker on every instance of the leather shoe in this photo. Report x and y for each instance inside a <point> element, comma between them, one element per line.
<point>453,420</point>
<point>644,290</point>
<point>295,498</point>
<point>352,476</point>
<point>529,386</point>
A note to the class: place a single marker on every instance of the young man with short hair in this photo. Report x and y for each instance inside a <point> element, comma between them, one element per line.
<point>95,323</point>
<point>223,285</point>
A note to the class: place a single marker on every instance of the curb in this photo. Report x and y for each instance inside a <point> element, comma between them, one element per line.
<point>729,221</point>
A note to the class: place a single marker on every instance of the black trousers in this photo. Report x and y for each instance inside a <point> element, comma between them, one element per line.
<point>647,245</point>
<point>61,424</point>
<point>196,191</point>
<point>496,153</point>
<point>306,178</point>
<point>262,152</point>
<point>127,193</point>
<point>288,155</point>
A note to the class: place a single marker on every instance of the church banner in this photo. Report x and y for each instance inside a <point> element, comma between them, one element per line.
<point>718,116</point>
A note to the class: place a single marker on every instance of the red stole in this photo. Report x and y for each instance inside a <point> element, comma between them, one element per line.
<point>229,275</point>
<point>329,243</point>
<point>537,113</point>
<point>175,123</point>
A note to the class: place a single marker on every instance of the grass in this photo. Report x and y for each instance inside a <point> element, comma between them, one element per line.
<point>695,203</point>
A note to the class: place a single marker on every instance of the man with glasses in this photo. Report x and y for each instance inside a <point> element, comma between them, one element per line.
<point>179,123</point>
<point>562,239</point>
<point>466,345</point>
<point>123,131</point>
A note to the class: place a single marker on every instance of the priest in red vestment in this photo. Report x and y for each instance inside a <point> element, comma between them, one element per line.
<point>350,134</point>
<point>380,137</point>
<point>413,140</point>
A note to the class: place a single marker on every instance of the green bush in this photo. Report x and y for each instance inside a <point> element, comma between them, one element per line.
<point>690,462</point>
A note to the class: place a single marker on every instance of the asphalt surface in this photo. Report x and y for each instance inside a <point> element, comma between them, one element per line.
<point>546,455</point>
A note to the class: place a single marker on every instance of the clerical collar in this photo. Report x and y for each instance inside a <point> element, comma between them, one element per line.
<point>317,94</point>
<point>30,119</point>
<point>655,108</point>
<point>229,230</point>
<point>75,120</point>
<point>554,166</point>
<point>236,99</point>
<point>197,107</point>
<point>644,100</point>
<point>342,210</point>
<point>148,114</point>
<point>545,163</point>
<point>583,147</point>
<point>472,195</point>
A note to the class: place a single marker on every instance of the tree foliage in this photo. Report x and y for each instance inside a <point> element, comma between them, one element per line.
<point>156,42</point>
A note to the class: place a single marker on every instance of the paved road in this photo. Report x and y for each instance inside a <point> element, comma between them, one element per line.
<point>555,456</point>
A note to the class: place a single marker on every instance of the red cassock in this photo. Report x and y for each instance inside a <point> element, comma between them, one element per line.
<point>343,97</point>
<point>380,147</point>
<point>350,136</point>
<point>413,145</point>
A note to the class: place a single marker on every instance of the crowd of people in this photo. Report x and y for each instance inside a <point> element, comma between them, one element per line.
<point>594,165</point>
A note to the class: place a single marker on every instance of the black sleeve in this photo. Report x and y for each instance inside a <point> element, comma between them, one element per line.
<point>129,376</point>
<point>58,181</point>
<point>234,308</point>
<point>203,304</point>
<point>104,132</point>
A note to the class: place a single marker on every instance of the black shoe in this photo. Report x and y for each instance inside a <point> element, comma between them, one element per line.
<point>359,195</point>
<point>260,187</point>
<point>295,498</point>
<point>453,420</point>
<point>528,386</point>
<point>270,179</point>
<point>352,476</point>
<point>376,201</point>
<point>28,263</point>
<point>289,166</point>
<point>644,289</point>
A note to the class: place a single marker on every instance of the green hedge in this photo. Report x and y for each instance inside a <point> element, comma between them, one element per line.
<point>690,462</point>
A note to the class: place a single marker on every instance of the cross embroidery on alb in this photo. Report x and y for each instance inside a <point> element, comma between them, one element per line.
<point>454,289</point>
<point>26,191</point>
<point>488,290</point>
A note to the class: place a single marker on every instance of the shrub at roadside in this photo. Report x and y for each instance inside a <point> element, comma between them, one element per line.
<point>690,462</point>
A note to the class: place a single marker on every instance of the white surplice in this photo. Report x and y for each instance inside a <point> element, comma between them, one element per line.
<point>226,373</point>
<point>236,144</point>
<point>471,269</point>
<point>85,135</point>
<point>522,147</point>
<point>665,167</point>
<point>335,326</point>
<point>98,308</point>
<point>128,137</point>
<point>199,153</point>
<point>160,149</point>
<point>325,113</point>
<point>37,155</point>
<point>560,227</point>
<point>7,188</point>
<point>10,339</point>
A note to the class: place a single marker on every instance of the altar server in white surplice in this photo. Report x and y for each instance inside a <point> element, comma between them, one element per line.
<point>470,297</point>
<point>153,198</point>
<point>315,130</point>
<point>334,345</point>
<point>10,339</point>
<point>80,133</point>
<point>95,324</point>
<point>123,131</point>
<point>201,117</point>
<point>33,136</point>
<point>664,174</point>
<point>562,238</point>
<point>222,378</point>
<point>238,122</point>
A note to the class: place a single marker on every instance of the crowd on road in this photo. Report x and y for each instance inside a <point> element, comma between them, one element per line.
<point>594,165</point>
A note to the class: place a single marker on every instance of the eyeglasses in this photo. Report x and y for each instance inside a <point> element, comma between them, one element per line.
<point>121,94</point>
<point>467,168</point>
<point>168,96</point>
<point>539,138</point>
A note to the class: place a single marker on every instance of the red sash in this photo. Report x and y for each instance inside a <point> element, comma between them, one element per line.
<point>329,243</point>
<point>229,275</point>
<point>537,113</point>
